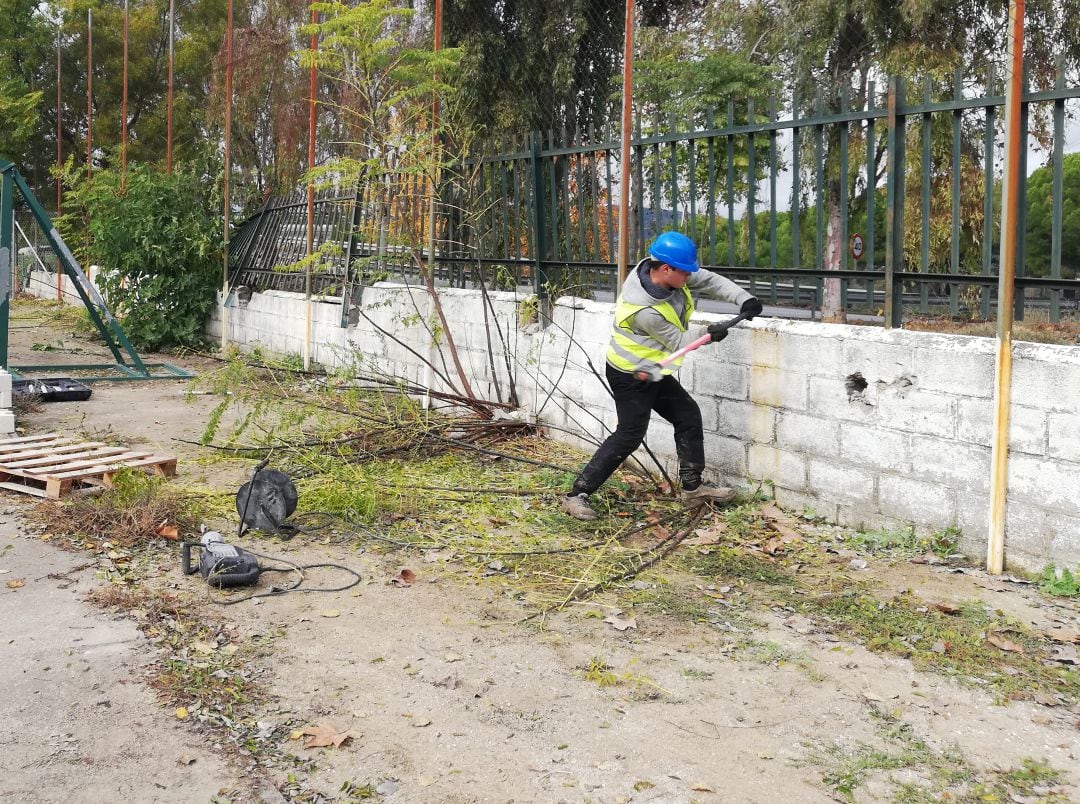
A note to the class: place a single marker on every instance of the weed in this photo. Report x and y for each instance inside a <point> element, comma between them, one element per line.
<point>357,792</point>
<point>600,673</point>
<point>697,675</point>
<point>775,655</point>
<point>126,514</point>
<point>1059,582</point>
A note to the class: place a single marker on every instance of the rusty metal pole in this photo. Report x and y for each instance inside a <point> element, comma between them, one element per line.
<point>228,134</point>
<point>310,195</point>
<point>89,90</point>
<point>59,134</point>
<point>169,100</point>
<point>433,178</point>
<point>123,108</point>
<point>1010,203</point>
<point>59,160</point>
<point>624,173</point>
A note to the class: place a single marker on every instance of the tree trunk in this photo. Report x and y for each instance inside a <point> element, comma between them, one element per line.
<point>831,307</point>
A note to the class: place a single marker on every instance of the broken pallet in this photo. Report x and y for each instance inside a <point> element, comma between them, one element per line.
<point>48,465</point>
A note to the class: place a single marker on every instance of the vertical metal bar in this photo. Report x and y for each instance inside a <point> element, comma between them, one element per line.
<point>924,209</point>
<point>540,236</point>
<point>954,256</point>
<point>1021,210</point>
<point>624,144</point>
<point>579,159</point>
<point>169,100</point>
<point>312,122</point>
<point>894,202</point>
<point>504,209</point>
<point>1010,201</point>
<point>228,167</point>
<point>1056,191</point>
<point>871,193</point>
<point>772,197</point>
<point>674,184</point>
<point>7,235</point>
<point>639,187</point>
<point>691,149</point>
<point>712,186</point>
<point>819,185</point>
<point>658,194</point>
<point>751,193</point>
<point>796,192</point>
<point>842,238</point>
<point>731,182</point>
<point>59,163</point>
<point>123,106</point>
<point>89,92</point>
<point>988,193</point>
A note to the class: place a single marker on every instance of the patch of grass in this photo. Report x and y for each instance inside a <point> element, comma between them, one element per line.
<point>906,543</point>
<point>956,645</point>
<point>733,563</point>
<point>1059,582</point>
<point>773,654</point>
<point>945,775</point>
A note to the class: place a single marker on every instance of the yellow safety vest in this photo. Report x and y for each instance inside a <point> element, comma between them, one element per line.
<point>629,349</point>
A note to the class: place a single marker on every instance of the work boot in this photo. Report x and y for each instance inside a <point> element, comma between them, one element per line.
<point>707,493</point>
<point>577,506</point>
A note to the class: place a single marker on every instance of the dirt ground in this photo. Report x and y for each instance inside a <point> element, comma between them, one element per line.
<point>449,697</point>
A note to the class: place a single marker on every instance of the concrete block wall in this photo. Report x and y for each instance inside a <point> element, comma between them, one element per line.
<point>867,427</point>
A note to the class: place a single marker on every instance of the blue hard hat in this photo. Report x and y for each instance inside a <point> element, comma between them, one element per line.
<point>677,250</point>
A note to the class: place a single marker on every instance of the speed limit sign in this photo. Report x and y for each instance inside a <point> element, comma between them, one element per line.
<point>857,246</point>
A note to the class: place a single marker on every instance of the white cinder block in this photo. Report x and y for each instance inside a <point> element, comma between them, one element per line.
<point>778,389</point>
<point>927,504</point>
<point>802,433</point>
<point>7,422</point>
<point>780,467</point>
<point>876,447</point>
<point>847,485</point>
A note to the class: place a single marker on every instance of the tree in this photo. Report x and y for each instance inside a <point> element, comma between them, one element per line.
<point>1039,219</point>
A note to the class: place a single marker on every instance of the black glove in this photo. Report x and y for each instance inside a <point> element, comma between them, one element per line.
<point>751,308</point>
<point>718,332</point>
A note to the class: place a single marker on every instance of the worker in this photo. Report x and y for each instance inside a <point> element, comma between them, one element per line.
<point>652,315</point>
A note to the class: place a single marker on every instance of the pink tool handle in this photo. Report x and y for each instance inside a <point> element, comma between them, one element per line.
<point>704,339</point>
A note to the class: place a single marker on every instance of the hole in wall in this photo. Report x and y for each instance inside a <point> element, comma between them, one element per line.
<point>855,384</point>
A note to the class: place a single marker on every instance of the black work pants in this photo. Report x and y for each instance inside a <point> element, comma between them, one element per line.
<point>634,403</point>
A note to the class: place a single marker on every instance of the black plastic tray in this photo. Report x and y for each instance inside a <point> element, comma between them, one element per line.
<point>52,389</point>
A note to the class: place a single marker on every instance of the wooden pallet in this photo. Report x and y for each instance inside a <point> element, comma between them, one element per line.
<point>48,465</point>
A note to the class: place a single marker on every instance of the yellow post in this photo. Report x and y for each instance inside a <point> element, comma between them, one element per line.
<point>1010,201</point>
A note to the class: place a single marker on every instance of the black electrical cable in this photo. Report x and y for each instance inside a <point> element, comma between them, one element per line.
<point>290,567</point>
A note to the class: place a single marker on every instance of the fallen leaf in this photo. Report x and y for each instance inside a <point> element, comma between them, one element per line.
<point>706,536</point>
<point>329,613</point>
<point>1004,643</point>
<point>420,722</point>
<point>167,531</point>
<point>404,578</point>
<point>181,713</point>
<point>204,648</point>
<point>642,785</point>
<point>928,558</point>
<point>700,787</point>
<point>16,583</point>
<point>621,624</point>
<point>780,522</point>
<point>945,608</point>
<point>325,735</point>
<point>451,657</point>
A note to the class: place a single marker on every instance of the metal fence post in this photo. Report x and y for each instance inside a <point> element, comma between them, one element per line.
<point>7,231</point>
<point>540,238</point>
<point>894,205</point>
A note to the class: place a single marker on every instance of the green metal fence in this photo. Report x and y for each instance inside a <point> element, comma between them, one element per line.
<point>887,200</point>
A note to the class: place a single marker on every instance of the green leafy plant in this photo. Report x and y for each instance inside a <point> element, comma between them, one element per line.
<point>1060,583</point>
<point>158,241</point>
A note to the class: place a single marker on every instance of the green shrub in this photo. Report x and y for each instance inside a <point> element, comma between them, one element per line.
<point>158,243</point>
